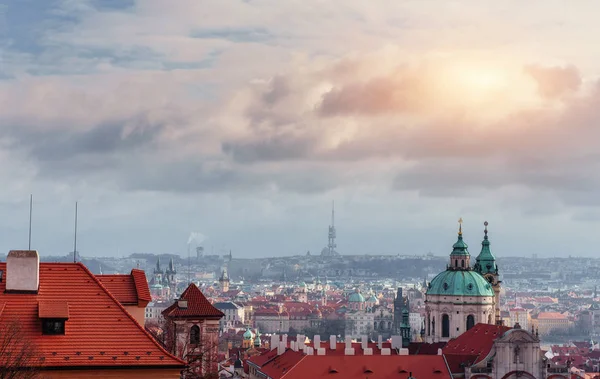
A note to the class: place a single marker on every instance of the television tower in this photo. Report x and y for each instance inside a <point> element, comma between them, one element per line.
<point>331,246</point>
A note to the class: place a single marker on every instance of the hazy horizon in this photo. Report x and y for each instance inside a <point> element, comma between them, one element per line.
<point>241,121</point>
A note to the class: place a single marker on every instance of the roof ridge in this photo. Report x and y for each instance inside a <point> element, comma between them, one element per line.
<point>114,299</point>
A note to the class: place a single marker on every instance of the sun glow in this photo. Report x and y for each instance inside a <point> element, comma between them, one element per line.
<point>485,91</point>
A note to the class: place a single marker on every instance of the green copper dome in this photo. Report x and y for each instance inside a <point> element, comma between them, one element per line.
<point>486,262</point>
<point>247,334</point>
<point>356,297</point>
<point>460,283</point>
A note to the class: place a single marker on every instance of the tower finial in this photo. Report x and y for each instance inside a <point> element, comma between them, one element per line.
<point>460,221</point>
<point>485,231</point>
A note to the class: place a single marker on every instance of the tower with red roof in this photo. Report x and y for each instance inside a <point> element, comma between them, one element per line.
<point>192,331</point>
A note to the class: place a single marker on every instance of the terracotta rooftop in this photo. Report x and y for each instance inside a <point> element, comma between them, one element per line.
<point>53,309</point>
<point>551,316</point>
<point>296,365</point>
<point>129,289</point>
<point>197,305</point>
<point>98,332</point>
<point>474,344</point>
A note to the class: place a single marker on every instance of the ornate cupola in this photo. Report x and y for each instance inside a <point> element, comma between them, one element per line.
<point>460,259</point>
<point>485,261</point>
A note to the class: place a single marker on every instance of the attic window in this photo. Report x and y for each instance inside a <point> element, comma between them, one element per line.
<point>1,275</point>
<point>53,326</point>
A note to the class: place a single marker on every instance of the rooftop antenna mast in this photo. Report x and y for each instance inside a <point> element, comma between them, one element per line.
<point>75,238</point>
<point>30,215</point>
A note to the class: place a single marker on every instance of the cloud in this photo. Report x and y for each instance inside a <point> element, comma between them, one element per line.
<point>554,82</point>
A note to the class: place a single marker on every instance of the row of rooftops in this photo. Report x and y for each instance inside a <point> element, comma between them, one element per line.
<point>319,359</point>
<point>292,357</point>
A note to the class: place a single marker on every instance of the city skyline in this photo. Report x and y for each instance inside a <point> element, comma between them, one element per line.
<point>166,121</point>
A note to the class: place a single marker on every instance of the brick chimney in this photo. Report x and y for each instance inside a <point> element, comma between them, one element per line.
<point>22,271</point>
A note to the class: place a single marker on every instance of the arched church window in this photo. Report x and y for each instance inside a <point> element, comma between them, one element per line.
<point>456,263</point>
<point>382,325</point>
<point>462,263</point>
<point>445,326</point>
<point>389,325</point>
<point>470,321</point>
<point>194,335</point>
<point>433,326</point>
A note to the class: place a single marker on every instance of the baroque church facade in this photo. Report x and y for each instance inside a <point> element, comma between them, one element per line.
<point>464,294</point>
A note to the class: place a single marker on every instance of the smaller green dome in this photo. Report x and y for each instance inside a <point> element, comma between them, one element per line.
<point>247,334</point>
<point>356,297</point>
<point>302,285</point>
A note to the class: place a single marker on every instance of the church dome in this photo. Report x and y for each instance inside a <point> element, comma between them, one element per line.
<point>460,283</point>
<point>356,297</point>
<point>248,334</point>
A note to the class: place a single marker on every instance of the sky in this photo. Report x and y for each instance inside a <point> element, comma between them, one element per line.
<point>235,124</point>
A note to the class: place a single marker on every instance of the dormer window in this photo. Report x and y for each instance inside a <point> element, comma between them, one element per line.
<point>54,315</point>
<point>53,326</point>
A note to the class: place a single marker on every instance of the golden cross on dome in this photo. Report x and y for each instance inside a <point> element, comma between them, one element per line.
<point>460,221</point>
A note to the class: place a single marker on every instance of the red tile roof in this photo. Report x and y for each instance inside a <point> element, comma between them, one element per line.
<point>295,365</point>
<point>476,343</point>
<point>551,316</point>
<point>53,309</point>
<point>129,289</point>
<point>141,285</point>
<point>99,331</point>
<point>197,305</point>
<point>120,286</point>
